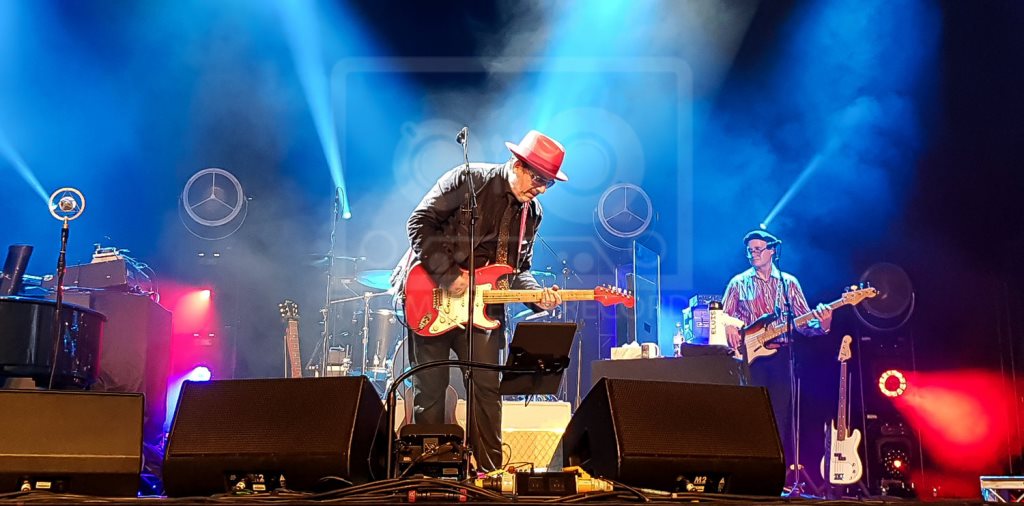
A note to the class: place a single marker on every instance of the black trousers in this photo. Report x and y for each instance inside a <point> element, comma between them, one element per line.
<point>773,373</point>
<point>429,387</point>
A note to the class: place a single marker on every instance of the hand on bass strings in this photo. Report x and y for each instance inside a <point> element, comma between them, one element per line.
<point>822,317</point>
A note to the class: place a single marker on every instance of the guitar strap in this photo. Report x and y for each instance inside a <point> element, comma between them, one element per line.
<point>505,246</point>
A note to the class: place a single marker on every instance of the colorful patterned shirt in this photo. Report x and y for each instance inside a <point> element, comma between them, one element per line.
<point>748,297</point>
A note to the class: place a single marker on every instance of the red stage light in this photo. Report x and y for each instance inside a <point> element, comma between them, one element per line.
<point>892,383</point>
<point>962,417</point>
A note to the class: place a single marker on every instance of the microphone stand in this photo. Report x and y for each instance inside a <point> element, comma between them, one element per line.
<point>325,345</point>
<point>470,208</point>
<point>65,208</point>
<point>58,322</point>
<point>799,471</point>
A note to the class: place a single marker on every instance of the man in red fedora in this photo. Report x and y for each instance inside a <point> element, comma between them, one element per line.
<point>509,215</point>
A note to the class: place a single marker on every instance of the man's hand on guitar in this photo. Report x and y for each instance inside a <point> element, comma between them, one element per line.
<point>822,317</point>
<point>733,334</point>
<point>460,285</point>
<point>550,298</point>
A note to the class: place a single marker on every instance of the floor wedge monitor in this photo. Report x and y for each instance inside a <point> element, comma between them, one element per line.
<point>264,434</point>
<point>678,437</point>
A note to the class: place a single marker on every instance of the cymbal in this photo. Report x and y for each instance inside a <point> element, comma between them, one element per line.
<point>377,278</point>
<point>321,260</point>
<point>542,274</point>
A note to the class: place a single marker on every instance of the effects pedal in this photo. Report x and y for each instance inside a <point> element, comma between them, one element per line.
<point>434,451</point>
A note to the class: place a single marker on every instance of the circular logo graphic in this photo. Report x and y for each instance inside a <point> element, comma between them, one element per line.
<point>213,197</point>
<point>625,210</point>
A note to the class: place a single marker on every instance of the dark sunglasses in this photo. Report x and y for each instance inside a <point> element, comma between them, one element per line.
<point>539,180</point>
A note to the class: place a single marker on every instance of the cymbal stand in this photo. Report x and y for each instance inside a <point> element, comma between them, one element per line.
<point>566,274</point>
<point>325,344</point>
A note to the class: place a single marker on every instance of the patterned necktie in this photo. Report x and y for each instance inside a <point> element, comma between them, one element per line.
<point>503,244</point>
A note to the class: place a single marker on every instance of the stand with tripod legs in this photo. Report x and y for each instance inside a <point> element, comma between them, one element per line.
<point>797,480</point>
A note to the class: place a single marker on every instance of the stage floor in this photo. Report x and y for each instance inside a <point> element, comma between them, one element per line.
<point>423,490</point>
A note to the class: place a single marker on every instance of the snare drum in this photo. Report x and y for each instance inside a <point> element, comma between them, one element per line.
<point>385,331</point>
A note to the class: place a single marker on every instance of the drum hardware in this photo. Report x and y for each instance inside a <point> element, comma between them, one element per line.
<point>567,274</point>
<point>380,355</point>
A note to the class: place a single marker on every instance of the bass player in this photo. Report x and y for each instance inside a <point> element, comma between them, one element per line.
<point>762,289</point>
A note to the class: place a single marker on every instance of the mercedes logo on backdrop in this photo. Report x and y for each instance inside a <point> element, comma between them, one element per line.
<point>214,203</point>
<point>623,212</point>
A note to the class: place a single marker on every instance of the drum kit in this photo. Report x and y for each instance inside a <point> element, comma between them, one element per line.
<point>363,333</point>
<point>360,328</point>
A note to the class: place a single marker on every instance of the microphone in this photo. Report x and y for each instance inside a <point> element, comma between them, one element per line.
<point>463,134</point>
<point>67,204</point>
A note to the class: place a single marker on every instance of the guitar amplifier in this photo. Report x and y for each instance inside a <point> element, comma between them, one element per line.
<point>108,274</point>
<point>533,431</point>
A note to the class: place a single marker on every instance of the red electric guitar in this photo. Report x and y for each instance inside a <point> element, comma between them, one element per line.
<point>432,311</point>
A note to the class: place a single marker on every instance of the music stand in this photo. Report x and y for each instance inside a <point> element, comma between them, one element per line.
<point>542,348</point>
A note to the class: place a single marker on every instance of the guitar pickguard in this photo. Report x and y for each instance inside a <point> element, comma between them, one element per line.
<point>453,312</point>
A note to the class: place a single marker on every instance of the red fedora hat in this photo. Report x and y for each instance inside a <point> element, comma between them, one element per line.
<point>541,153</point>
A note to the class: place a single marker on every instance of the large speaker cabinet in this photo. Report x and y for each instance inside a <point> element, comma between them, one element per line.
<point>76,442</point>
<point>304,429</point>
<point>678,437</point>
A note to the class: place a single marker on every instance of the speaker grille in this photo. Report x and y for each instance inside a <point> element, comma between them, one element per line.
<point>303,429</point>
<point>687,419</point>
<point>671,436</point>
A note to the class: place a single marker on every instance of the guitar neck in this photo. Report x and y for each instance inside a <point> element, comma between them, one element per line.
<point>775,330</point>
<point>291,343</point>
<point>509,296</point>
<point>808,316</point>
<point>841,430</point>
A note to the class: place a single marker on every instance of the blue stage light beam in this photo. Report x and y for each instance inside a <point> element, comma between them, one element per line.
<point>22,168</point>
<point>862,102</point>
<point>800,182</point>
<point>302,31</point>
<point>594,32</point>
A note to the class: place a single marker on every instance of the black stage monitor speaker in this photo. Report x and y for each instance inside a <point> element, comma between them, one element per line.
<point>254,432</point>
<point>678,437</point>
<point>74,442</point>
